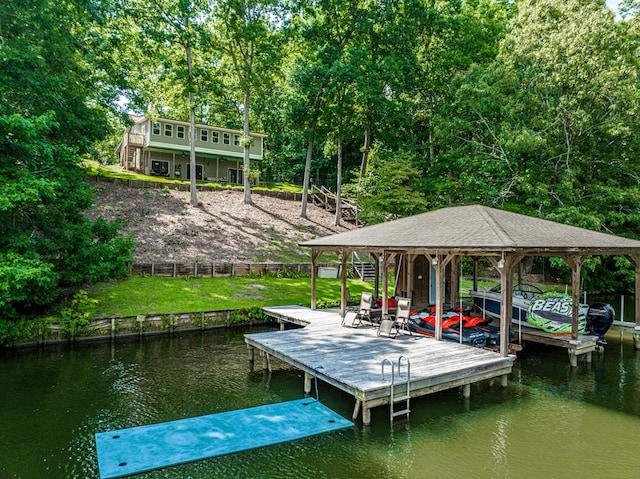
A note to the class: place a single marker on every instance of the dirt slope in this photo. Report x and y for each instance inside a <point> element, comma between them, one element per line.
<point>221,229</point>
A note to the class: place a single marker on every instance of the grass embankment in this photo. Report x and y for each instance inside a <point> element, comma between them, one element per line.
<point>146,295</point>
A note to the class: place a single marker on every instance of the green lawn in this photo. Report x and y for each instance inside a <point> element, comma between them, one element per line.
<point>146,295</point>
<point>93,168</point>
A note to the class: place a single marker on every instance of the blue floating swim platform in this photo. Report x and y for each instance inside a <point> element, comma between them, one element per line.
<point>139,449</point>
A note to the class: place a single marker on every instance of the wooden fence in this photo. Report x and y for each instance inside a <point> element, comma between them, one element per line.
<point>216,270</point>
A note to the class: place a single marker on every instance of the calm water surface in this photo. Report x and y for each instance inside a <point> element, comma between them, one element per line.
<point>551,422</point>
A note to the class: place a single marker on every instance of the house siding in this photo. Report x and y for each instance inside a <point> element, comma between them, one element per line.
<point>168,156</point>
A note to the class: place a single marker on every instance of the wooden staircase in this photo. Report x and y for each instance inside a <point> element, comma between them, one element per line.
<point>325,198</point>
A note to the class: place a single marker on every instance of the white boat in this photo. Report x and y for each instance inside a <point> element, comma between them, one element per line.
<point>548,311</point>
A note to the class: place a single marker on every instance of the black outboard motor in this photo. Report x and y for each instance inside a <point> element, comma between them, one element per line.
<point>599,319</point>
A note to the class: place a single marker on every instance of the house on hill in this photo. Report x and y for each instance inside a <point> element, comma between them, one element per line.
<point>161,148</point>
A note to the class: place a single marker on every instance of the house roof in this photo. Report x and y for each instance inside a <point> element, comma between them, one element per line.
<point>477,229</point>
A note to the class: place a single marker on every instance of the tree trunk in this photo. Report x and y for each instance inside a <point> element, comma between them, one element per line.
<point>307,165</point>
<point>192,131</point>
<point>246,147</point>
<point>365,152</point>
<point>339,183</point>
<point>307,172</point>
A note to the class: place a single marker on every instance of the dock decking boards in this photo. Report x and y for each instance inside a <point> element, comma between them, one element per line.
<point>145,448</point>
<point>351,358</point>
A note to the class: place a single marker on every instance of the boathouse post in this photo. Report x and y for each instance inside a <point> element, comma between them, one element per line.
<point>376,267</point>
<point>435,262</point>
<point>385,283</point>
<point>505,268</point>
<point>575,263</point>
<point>315,254</point>
<point>410,259</point>
<point>343,282</point>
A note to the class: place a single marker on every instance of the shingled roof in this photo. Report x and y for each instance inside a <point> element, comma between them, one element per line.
<point>477,228</point>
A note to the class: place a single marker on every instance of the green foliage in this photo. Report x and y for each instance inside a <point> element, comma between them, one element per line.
<point>49,118</point>
<point>389,189</point>
<point>247,315</point>
<point>76,317</point>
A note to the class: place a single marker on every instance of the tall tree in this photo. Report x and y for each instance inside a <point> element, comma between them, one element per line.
<point>167,32</point>
<point>49,117</point>
<point>247,31</point>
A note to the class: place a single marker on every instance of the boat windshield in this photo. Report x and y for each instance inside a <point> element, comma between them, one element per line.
<point>521,290</point>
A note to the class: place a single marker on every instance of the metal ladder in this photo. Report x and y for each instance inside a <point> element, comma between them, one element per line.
<point>404,396</point>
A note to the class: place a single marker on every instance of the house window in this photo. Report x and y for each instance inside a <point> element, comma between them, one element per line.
<point>168,129</point>
<point>226,139</point>
<point>156,128</point>
<point>159,168</point>
<point>180,131</point>
<point>215,137</point>
<point>236,140</point>
<point>204,135</point>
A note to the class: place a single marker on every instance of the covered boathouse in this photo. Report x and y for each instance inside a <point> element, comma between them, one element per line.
<point>435,242</point>
<point>425,249</point>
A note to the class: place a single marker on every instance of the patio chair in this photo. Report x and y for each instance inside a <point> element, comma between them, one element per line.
<point>392,325</point>
<point>355,318</point>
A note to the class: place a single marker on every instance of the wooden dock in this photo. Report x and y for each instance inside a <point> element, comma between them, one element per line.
<point>585,345</point>
<point>351,359</point>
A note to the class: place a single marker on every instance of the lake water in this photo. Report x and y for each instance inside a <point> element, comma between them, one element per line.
<point>552,421</point>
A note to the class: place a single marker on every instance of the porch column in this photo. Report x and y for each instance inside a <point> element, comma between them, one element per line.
<point>575,263</point>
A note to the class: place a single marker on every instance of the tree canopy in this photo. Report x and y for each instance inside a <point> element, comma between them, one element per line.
<point>52,110</point>
<point>527,105</point>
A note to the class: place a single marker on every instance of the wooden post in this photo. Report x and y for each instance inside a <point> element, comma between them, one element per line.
<point>343,282</point>
<point>475,272</point>
<point>455,280</point>
<point>251,354</point>
<point>366,416</point>
<point>410,263</point>
<point>466,390</point>
<point>356,410</point>
<point>307,382</point>
<point>385,284</point>
<point>376,267</point>
<point>437,265</point>
<point>315,254</point>
<point>505,268</point>
<point>636,260</point>
<point>575,263</point>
